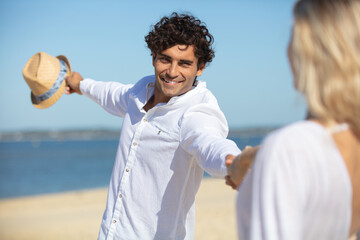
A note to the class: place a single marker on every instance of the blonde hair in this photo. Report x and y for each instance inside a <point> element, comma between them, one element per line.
<point>325,56</point>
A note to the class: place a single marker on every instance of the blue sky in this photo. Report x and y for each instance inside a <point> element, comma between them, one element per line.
<point>104,40</point>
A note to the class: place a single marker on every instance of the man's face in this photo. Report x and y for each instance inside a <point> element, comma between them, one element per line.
<point>175,71</point>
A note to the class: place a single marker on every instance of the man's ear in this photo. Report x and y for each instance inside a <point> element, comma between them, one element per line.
<point>200,70</point>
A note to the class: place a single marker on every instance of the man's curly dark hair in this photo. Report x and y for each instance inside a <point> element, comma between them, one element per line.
<point>185,30</point>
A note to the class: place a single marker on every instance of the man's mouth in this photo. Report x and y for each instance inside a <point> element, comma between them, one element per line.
<point>170,81</point>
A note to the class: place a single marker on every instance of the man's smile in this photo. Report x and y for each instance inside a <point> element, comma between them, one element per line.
<point>170,81</point>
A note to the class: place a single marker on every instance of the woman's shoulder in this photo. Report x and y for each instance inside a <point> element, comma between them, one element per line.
<point>294,133</point>
<point>298,142</point>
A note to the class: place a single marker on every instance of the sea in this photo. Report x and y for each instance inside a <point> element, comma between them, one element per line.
<point>50,165</point>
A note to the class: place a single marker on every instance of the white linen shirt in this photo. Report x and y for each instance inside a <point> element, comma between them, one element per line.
<point>299,188</point>
<point>160,159</point>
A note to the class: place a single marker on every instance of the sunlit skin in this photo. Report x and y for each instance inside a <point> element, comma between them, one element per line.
<point>175,71</point>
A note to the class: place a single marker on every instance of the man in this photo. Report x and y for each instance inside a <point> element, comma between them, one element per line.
<point>173,130</point>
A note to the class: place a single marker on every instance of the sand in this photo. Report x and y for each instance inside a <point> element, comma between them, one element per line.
<point>77,215</point>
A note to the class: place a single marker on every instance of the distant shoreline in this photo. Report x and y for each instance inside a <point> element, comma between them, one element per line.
<point>103,134</point>
<point>44,135</point>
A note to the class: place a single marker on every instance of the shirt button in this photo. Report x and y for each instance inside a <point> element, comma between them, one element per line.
<point>144,119</point>
<point>114,221</point>
<point>120,195</point>
<point>134,143</point>
<point>127,170</point>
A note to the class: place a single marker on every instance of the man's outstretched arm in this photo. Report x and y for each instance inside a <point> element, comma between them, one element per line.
<point>111,96</point>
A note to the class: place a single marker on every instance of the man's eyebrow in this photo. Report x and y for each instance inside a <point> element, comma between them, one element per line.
<point>186,61</point>
<point>164,55</point>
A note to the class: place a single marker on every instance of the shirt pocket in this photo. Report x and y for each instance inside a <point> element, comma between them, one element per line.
<point>161,139</point>
<point>163,133</point>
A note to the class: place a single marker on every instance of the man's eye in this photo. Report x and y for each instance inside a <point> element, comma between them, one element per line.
<point>164,60</point>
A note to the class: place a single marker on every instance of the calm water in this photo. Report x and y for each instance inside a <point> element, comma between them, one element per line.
<point>28,168</point>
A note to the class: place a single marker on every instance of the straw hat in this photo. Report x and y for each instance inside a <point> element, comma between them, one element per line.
<point>45,76</point>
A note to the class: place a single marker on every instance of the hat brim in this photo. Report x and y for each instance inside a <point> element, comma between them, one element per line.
<point>67,62</point>
<point>56,96</point>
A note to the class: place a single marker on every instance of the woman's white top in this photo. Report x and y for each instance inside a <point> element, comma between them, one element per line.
<point>299,188</point>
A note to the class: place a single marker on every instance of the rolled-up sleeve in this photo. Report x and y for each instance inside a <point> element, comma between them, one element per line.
<point>111,96</point>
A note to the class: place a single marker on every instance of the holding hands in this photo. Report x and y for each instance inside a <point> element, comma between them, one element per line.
<point>239,166</point>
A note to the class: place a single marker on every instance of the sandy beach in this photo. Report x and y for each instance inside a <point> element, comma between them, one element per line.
<point>77,215</point>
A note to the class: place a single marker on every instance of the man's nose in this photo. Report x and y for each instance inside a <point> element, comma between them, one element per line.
<point>172,71</point>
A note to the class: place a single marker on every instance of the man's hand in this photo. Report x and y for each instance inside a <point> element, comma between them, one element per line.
<point>238,167</point>
<point>73,83</point>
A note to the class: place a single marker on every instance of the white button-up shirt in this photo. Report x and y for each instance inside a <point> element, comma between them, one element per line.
<point>161,157</point>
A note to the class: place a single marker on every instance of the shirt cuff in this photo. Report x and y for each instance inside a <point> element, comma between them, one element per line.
<point>85,85</point>
<point>223,169</point>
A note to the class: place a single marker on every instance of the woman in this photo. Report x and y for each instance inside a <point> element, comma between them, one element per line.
<point>305,181</point>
